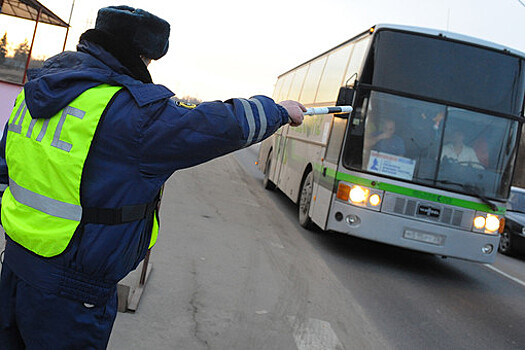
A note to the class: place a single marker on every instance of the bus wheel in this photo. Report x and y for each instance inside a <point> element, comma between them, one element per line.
<point>505,243</point>
<point>267,183</point>
<point>305,199</point>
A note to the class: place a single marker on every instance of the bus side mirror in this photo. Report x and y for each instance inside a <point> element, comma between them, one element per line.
<point>345,97</point>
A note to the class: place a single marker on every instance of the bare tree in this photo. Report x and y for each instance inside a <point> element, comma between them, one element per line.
<point>22,51</point>
<point>3,48</point>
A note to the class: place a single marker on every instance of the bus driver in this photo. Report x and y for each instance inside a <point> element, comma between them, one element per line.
<point>458,152</point>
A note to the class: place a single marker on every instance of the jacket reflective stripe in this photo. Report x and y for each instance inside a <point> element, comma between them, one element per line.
<point>45,204</point>
<point>262,118</point>
<point>250,119</point>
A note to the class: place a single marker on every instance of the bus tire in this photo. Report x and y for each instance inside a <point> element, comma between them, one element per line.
<point>505,244</point>
<point>305,200</point>
<point>267,183</point>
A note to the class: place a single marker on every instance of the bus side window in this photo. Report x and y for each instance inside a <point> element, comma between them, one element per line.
<point>277,91</point>
<point>297,84</point>
<point>312,81</point>
<point>355,62</point>
<point>287,82</point>
<point>332,77</point>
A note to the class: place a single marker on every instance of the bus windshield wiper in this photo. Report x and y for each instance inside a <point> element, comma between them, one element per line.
<point>472,190</point>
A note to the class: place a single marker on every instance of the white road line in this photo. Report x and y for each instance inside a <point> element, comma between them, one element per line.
<point>277,245</point>
<point>505,274</point>
<point>312,334</point>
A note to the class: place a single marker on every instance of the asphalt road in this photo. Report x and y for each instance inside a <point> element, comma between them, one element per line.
<point>233,270</point>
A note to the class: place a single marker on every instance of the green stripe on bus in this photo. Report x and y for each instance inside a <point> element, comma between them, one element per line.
<point>413,193</point>
<point>334,175</point>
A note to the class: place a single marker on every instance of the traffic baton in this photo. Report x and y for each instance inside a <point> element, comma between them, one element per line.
<point>328,110</point>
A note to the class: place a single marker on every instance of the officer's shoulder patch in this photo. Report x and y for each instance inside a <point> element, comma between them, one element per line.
<point>185,105</point>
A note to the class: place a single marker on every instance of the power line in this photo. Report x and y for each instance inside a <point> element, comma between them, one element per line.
<point>521,2</point>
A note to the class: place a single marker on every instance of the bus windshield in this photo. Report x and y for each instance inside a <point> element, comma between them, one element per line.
<point>433,144</point>
<point>445,70</point>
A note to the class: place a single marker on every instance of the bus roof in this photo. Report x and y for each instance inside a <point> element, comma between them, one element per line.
<point>452,35</point>
<point>420,30</point>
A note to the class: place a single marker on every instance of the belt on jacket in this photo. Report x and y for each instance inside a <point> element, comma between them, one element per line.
<point>52,278</point>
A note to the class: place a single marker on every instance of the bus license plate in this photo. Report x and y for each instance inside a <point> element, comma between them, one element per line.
<point>424,237</point>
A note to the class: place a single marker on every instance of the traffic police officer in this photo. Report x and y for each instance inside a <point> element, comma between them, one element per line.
<point>88,146</point>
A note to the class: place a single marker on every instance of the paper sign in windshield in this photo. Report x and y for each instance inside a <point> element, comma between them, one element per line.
<point>390,165</point>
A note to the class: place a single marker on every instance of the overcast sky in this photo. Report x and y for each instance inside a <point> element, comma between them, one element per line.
<point>234,48</point>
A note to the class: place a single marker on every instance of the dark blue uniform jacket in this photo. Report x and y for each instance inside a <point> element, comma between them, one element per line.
<point>144,138</point>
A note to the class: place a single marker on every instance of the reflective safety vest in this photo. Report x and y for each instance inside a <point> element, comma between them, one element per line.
<point>41,207</point>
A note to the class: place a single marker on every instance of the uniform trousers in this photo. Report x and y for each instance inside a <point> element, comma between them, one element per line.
<point>34,319</point>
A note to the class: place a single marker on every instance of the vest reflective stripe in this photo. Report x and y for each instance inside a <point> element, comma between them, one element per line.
<point>45,157</point>
<point>45,204</point>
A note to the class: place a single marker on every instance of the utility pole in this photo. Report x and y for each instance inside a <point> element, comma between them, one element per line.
<point>68,24</point>
<point>31,48</point>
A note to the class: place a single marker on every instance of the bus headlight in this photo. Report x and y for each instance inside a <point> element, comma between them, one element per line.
<point>375,200</point>
<point>492,223</point>
<point>479,222</point>
<point>361,196</point>
<point>358,194</point>
<point>487,223</point>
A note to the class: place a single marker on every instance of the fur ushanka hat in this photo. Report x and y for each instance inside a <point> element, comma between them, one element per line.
<point>147,33</point>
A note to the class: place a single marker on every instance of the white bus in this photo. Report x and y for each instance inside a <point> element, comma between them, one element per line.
<point>426,158</point>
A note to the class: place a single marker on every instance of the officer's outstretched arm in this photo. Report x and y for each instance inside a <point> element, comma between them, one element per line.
<point>184,136</point>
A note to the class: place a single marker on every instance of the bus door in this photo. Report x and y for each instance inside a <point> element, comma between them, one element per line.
<point>325,180</point>
<point>279,149</point>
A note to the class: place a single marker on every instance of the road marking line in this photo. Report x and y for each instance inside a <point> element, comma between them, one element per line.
<point>313,334</point>
<point>505,274</point>
<point>277,245</point>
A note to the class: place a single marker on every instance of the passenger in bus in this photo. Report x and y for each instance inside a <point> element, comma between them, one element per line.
<point>457,151</point>
<point>385,140</point>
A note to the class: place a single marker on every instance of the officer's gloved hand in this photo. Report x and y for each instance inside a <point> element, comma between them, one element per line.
<point>295,110</point>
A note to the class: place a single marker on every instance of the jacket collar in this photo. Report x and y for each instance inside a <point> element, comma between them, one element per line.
<point>67,75</point>
<point>126,54</point>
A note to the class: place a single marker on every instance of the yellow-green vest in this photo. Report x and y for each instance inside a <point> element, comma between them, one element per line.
<point>41,207</point>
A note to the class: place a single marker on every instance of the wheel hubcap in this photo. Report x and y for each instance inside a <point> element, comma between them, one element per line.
<point>505,241</point>
<point>306,195</point>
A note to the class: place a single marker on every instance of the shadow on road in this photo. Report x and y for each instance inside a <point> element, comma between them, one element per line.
<point>517,256</point>
<point>364,252</point>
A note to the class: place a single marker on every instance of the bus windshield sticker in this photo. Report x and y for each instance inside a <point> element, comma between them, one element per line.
<point>391,165</point>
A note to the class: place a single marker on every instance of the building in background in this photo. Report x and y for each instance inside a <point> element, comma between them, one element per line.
<point>14,65</point>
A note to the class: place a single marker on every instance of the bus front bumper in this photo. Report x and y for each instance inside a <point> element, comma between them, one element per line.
<point>412,233</point>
